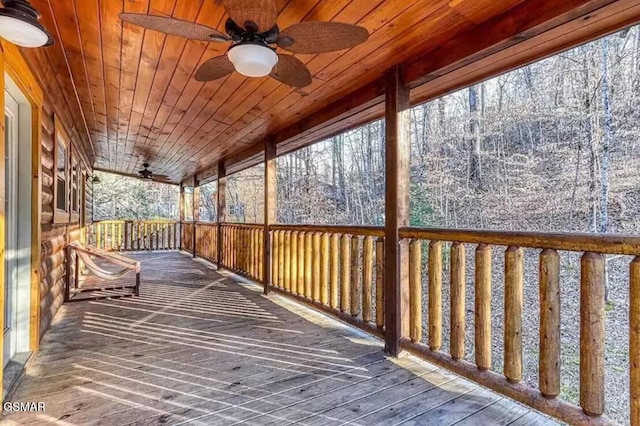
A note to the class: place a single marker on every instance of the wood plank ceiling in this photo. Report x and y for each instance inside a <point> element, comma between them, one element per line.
<point>141,103</point>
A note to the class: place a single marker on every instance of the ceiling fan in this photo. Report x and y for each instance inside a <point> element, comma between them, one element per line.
<point>254,34</point>
<point>146,174</point>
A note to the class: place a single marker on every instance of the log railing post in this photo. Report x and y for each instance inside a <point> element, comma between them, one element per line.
<point>483,307</point>
<point>397,148</point>
<point>308,265</point>
<point>335,268</point>
<point>270,209</point>
<point>367,279</point>
<point>549,367</point>
<point>294,262</point>
<point>513,300</point>
<point>324,269</point>
<point>287,261</point>
<point>592,334</point>
<point>316,267</point>
<point>275,278</point>
<point>380,283</point>
<point>355,276</point>
<point>435,295</point>
<point>634,339</point>
<point>301,265</point>
<point>415,290</point>
<point>345,273</point>
<point>458,295</point>
<point>221,206</point>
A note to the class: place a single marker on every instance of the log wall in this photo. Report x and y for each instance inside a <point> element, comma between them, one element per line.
<point>58,105</point>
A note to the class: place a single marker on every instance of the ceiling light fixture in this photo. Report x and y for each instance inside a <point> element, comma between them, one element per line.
<point>253,60</point>
<point>19,24</point>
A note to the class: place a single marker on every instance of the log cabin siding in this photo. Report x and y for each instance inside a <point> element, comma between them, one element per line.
<point>55,236</point>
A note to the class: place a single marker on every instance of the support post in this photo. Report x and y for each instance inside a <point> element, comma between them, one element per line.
<point>397,145</point>
<point>181,218</point>
<point>270,208</point>
<point>195,212</point>
<point>221,205</point>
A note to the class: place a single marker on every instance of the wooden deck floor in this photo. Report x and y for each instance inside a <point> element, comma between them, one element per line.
<point>200,348</point>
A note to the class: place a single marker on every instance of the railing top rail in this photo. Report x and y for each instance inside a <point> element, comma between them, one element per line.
<point>206,223</point>
<point>135,221</point>
<point>597,243</point>
<point>369,231</point>
<point>243,225</point>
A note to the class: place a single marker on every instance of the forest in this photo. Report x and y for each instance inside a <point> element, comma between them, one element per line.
<point>553,146</point>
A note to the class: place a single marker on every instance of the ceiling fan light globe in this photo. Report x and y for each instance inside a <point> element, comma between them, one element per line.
<point>253,60</point>
<point>23,33</point>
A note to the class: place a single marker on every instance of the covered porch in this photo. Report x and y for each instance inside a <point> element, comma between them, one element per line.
<point>286,321</point>
<point>203,347</point>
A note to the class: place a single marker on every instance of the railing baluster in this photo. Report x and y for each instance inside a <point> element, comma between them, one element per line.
<point>513,300</point>
<point>592,333</point>
<point>301,265</point>
<point>549,367</point>
<point>415,290</point>
<point>458,294</point>
<point>308,266</point>
<point>483,307</point>
<point>435,295</point>
<point>380,283</point>
<point>355,276</point>
<point>281,260</point>
<point>345,263</point>
<point>634,339</point>
<point>260,259</point>
<point>316,267</point>
<point>294,263</point>
<point>275,235</point>
<point>335,268</point>
<point>367,279</point>
<point>324,269</point>
<point>287,261</point>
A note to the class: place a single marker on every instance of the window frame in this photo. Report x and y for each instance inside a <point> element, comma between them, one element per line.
<point>61,137</point>
<point>74,189</point>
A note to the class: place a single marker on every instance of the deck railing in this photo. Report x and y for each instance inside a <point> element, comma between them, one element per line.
<point>122,235</point>
<point>340,270</point>
<point>207,241</point>
<point>187,235</point>
<point>332,268</point>
<point>243,249</point>
<point>592,313</point>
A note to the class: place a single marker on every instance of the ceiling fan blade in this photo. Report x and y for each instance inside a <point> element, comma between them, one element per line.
<point>214,69</point>
<point>321,37</point>
<point>173,26</point>
<point>254,15</point>
<point>291,71</point>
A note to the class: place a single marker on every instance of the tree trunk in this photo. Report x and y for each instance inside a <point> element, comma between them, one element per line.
<point>475,167</point>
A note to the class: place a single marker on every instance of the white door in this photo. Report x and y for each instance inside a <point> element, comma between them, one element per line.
<point>11,226</point>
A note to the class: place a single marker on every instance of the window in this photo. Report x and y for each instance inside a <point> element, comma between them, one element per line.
<point>61,166</point>
<point>68,178</point>
<point>75,190</point>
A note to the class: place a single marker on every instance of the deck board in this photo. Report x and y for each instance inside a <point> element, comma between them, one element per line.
<point>199,347</point>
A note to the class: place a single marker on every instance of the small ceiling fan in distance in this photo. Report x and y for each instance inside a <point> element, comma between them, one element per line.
<point>254,34</point>
<point>146,174</point>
